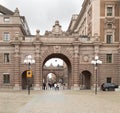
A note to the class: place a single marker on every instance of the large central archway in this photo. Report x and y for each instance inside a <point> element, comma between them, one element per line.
<point>67,75</point>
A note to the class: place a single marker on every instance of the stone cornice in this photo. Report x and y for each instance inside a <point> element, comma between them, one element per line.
<point>5,44</point>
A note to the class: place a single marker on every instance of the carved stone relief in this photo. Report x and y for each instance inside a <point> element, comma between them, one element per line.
<point>57,49</point>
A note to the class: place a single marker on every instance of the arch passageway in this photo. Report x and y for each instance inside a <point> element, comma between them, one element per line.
<point>62,72</point>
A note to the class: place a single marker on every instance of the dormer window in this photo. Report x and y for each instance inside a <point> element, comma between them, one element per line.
<point>6,19</point>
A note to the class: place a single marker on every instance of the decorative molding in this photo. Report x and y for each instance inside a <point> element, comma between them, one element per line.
<point>57,49</point>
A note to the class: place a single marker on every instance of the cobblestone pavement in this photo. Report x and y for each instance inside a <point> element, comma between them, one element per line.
<point>59,102</point>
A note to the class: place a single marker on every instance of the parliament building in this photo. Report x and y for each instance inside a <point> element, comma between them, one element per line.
<point>95,31</point>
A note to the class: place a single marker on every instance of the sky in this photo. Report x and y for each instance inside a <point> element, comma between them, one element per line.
<point>54,62</point>
<point>42,14</point>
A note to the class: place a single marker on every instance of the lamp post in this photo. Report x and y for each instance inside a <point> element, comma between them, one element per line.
<point>29,60</point>
<point>96,62</point>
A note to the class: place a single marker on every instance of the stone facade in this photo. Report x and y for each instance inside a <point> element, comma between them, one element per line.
<point>95,31</point>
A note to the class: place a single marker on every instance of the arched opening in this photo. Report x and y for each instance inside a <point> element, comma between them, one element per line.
<point>25,80</point>
<point>86,80</point>
<point>60,65</point>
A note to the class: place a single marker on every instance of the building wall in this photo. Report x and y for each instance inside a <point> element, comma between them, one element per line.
<point>85,38</point>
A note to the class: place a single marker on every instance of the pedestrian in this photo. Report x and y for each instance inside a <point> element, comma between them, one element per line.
<point>44,85</point>
<point>55,86</point>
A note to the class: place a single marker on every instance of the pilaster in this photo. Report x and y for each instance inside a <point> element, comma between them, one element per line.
<point>38,69</point>
<point>17,68</point>
<point>96,53</point>
<point>76,78</point>
<point>119,66</point>
<point>37,76</point>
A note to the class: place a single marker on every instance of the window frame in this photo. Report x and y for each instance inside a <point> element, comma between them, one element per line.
<point>109,11</point>
<point>6,36</point>
<point>109,80</point>
<point>6,78</point>
<point>109,32</point>
<point>106,10</point>
<point>109,58</point>
<point>6,19</point>
<point>6,58</point>
<point>109,38</point>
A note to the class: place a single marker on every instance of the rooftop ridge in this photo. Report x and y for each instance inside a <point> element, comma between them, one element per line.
<point>5,11</point>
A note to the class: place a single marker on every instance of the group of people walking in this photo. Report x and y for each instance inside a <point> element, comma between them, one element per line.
<point>50,86</point>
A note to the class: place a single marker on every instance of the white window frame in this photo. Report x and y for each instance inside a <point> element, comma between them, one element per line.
<point>110,40</point>
<point>6,36</point>
<point>109,32</point>
<point>113,10</point>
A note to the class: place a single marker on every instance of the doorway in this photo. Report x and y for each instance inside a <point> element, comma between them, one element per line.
<point>86,80</point>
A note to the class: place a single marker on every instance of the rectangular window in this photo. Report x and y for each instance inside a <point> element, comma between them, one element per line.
<point>6,19</point>
<point>109,58</point>
<point>109,39</point>
<point>6,58</point>
<point>6,78</point>
<point>108,79</point>
<point>6,36</point>
<point>109,11</point>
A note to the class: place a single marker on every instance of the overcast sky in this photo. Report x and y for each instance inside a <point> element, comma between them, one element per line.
<point>42,14</point>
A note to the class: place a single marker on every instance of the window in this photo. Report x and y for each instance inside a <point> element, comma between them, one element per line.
<point>109,58</point>
<point>108,38</point>
<point>6,78</point>
<point>108,79</point>
<point>6,36</point>
<point>6,58</point>
<point>6,19</point>
<point>109,11</point>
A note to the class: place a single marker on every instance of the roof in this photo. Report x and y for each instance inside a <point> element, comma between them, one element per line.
<point>5,11</point>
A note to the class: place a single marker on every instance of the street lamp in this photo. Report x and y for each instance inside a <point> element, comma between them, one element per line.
<point>29,60</point>
<point>96,61</point>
